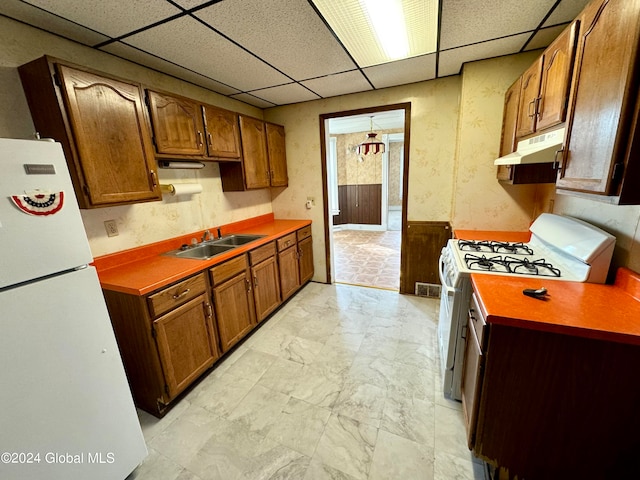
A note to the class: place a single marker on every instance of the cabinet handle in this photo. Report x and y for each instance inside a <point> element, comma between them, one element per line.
<point>471,311</point>
<point>200,141</point>
<point>300,253</point>
<point>272,174</point>
<point>255,281</point>
<point>154,178</point>
<point>209,140</point>
<point>179,295</point>
<point>209,310</point>
<point>532,102</point>
<point>248,283</point>
<point>538,101</point>
<point>556,164</point>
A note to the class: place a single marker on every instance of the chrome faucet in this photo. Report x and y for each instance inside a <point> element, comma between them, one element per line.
<point>206,236</point>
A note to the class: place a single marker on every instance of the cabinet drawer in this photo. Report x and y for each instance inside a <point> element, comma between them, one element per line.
<point>476,318</point>
<point>286,241</point>
<point>304,232</point>
<point>228,269</point>
<point>176,295</point>
<point>259,254</point>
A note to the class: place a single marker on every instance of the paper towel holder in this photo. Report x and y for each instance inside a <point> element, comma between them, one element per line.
<point>181,189</point>
<point>176,165</point>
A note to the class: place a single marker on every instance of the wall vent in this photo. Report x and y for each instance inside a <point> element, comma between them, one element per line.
<point>427,290</point>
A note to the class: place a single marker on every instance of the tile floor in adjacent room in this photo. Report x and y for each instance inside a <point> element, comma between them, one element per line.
<point>367,258</point>
<point>341,383</point>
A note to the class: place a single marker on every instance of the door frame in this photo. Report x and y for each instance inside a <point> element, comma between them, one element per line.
<point>405,177</point>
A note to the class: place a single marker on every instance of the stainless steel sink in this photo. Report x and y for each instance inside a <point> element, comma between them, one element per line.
<point>203,251</point>
<point>237,239</point>
<point>207,250</point>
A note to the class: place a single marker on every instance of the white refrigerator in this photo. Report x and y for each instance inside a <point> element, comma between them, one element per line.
<point>66,410</point>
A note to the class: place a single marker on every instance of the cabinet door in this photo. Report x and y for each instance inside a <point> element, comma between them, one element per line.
<point>186,343</point>
<point>266,287</point>
<point>289,271</point>
<point>508,141</point>
<point>601,97</point>
<point>471,376</point>
<point>177,125</point>
<point>234,310</point>
<point>305,252</point>
<point>222,131</point>
<point>111,138</point>
<point>277,155</point>
<point>254,152</point>
<point>556,79</point>
<point>529,91</point>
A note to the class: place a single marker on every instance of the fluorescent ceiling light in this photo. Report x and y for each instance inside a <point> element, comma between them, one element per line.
<point>381,31</point>
<point>387,19</point>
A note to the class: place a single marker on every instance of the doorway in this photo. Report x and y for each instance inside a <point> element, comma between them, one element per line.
<point>365,196</point>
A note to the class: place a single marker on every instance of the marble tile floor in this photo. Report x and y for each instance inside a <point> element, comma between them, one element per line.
<point>367,258</point>
<point>341,383</point>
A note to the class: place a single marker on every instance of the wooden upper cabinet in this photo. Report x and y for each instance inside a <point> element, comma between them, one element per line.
<point>277,155</point>
<point>602,143</point>
<point>556,78</point>
<point>177,123</point>
<point>508,141</point>
<point>518,174</point>
<point>101,123</point>
<point>264,161</point>
<point>545,85</point>
<point>254,152</point>
<point>529,90</point>
<point>222,133</point>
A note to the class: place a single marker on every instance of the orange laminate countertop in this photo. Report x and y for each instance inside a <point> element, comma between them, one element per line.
<point>150,270</point>
<point>497,235</point>
<point>604,312</point>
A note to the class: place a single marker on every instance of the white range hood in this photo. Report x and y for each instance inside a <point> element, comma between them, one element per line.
<point>539,149</point>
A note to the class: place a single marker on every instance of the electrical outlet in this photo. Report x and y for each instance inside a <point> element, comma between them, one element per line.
<point>312,200</point>
<point>111,228</point>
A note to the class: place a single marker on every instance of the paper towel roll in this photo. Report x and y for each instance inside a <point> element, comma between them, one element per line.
<point>182,188</point>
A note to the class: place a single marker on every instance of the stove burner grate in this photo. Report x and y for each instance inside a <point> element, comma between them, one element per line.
<point>486,246</point>
<point>525,266</point>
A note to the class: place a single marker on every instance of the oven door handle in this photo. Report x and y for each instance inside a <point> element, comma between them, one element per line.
<point>443,278</point>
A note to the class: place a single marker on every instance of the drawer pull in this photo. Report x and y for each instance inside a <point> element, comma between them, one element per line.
<point>180,295</point>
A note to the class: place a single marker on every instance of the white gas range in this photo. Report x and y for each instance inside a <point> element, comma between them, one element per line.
<point>560,248</point>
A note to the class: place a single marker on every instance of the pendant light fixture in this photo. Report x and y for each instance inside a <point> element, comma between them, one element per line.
<point>371,145</point>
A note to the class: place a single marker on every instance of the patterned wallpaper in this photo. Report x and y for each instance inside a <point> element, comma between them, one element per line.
<point>480,202</point>
<point>395,181</point>
<point>354,169</point>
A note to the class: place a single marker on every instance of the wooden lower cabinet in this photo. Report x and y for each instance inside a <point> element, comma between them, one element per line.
<point>171,337</point>
<point>305,254</point>
<point>167,339</point>
<point>289,271</point>
<point>186,343</point>
<point>266,282</point>
<point>554,406</point>
<point>233,300</point>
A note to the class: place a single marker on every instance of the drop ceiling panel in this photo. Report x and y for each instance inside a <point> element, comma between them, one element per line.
<point>544,37</point>
<point>451,60</point>
<point>402,72</point>
<point>133,54</point>
<point>283,94</point>
<point>567,11</point>
<point>197,48</point>
<point>469,21</point>
<point>289,35</point>
<point>338,84</point>
<point>36,17</point>
<point>110,17</point>
<point>251,100</point>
